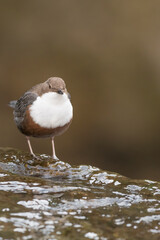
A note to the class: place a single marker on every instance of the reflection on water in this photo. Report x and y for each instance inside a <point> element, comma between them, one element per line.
<point>53,200</point>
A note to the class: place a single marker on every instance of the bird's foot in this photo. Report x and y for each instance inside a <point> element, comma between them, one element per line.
<point>55,157</point>
<point>35,157</point>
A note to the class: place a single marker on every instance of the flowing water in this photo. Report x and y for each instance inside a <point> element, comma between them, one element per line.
<point>46,199</point>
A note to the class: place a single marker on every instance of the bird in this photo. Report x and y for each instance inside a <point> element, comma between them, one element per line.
<point>44,111</point>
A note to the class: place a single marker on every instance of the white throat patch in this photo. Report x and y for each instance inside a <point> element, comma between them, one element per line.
<point>51,110</point>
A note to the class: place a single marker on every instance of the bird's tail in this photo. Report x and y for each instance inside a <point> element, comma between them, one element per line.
<point>12,104</point>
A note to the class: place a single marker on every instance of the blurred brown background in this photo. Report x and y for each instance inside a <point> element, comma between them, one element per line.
<point>108,52</point>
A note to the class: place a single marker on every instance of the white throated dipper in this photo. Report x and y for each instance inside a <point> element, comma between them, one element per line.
<point>44,111</point>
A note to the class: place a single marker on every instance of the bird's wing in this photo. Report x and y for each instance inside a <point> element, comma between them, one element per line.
<point>12,104</point>
<point>20,107</point>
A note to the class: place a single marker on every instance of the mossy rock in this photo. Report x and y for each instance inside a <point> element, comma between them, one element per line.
<point>47,199</point>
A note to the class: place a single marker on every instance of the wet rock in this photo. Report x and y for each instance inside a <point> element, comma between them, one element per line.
<point>46,199</point>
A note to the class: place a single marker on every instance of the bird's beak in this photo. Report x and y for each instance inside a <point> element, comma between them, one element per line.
<point>60,92</point>
<point>69,95</point>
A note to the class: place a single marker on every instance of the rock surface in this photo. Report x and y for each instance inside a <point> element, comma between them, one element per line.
<point>46,199</point>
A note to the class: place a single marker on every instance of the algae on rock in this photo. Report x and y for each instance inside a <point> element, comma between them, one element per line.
<point>46,199</point>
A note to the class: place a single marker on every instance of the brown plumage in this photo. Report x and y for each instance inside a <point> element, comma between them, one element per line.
<point>30,128</point>
<point>27,121</point>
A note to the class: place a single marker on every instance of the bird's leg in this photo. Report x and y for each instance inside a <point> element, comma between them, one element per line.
<point>53,150</point>
<point>30,147</point>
